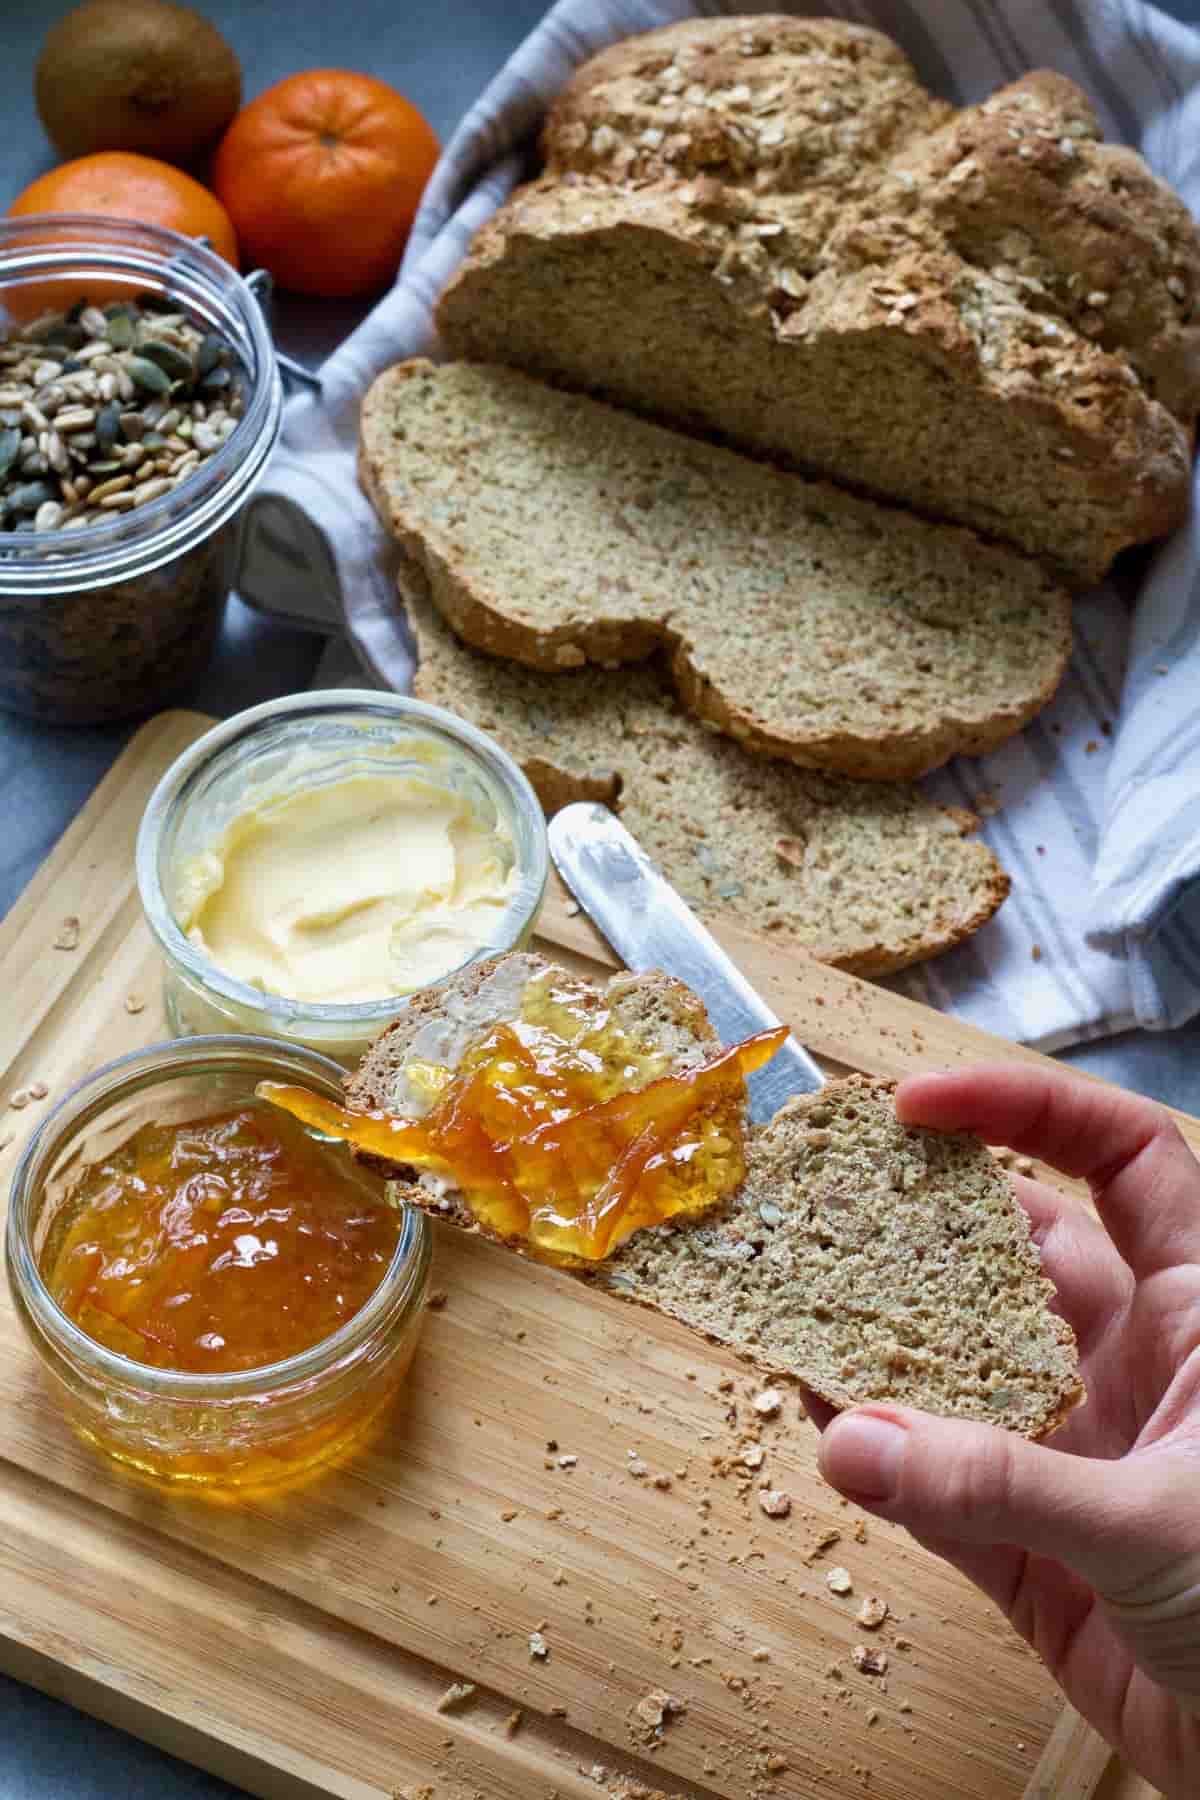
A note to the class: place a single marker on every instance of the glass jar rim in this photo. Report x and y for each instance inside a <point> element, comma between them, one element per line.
<point>402,1280</point>
<point>137,543</point>
<point>174,941</point>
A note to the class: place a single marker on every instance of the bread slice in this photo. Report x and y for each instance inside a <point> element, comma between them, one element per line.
<point>870,876</point>
<point>806,623</point>
<point>864,1258</point>
<point>766,231</point>
<point>874,1262</point>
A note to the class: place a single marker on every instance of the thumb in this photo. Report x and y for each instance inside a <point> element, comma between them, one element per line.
<point>975,1484</point>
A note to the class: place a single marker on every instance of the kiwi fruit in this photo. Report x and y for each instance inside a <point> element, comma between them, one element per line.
<point>142,75</point>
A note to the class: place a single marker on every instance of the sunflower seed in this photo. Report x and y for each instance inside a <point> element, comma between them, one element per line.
<point>75,418</point>
<point>106,489</point>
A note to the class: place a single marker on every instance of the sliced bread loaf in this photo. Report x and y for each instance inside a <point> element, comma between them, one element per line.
<point>764,229</point>
<point>806,623</point>
<point>861,1257</point>
<point>870,876</point>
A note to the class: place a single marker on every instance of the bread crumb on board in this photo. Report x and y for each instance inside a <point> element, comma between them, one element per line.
<point>872,1612</point>
<point>67,936</point>
<point>826,1540</point>
<point>456,1695</point>
<point>839,1581</point>
<point>652,1714</point>
<point>774,1502</point>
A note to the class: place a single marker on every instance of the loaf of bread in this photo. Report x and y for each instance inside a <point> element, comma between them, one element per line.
<point>763,229</point>
<point>862,1257</point>
<point>803,621</point>
<point>870,876</point>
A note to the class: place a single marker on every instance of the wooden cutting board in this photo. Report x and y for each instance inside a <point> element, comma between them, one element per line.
<point>301,1647</point>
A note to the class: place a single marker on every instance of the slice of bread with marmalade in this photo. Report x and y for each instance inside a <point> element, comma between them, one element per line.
<point>866,1259</point>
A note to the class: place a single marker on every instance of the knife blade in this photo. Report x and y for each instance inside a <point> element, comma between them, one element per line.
<point>651,927</point>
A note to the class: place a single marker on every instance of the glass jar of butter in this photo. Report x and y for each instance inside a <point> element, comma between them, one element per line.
<point>255,1427</point>
<point>310,864</point>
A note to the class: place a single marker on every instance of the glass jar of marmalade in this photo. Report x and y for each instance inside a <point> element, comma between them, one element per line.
<point>124,1308</point>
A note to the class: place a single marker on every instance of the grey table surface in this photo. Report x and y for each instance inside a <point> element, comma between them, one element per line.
<point>440,56</point>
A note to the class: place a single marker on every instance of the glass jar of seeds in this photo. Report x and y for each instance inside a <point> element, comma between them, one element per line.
<point>139,402</point>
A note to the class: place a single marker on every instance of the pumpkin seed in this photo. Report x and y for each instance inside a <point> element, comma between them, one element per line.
<point>171,361</point>
<point>120,332</point>
<point>28,496</point>
<point>108,425</point>
<point>148,375</point>
<point>209,354</point>
<point>10,444</point>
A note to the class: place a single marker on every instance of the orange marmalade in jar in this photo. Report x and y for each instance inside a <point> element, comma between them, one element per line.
<point>223,1302</point>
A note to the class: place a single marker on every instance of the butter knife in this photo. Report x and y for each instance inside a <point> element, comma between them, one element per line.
<point>650,927</point>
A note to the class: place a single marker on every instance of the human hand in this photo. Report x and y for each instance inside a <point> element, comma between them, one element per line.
<point>1091,1545</point>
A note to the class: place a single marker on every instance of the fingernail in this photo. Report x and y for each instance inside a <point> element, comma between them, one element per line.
<point>860,1454</point>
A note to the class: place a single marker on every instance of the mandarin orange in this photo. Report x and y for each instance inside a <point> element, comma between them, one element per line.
<point>322,176</point>
<point>121,185</point>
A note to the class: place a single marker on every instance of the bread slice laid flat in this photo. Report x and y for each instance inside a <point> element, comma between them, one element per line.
<point>861,1257</point>
<point>804,622</point>
<point>765,230</point>
<point>870,876</point>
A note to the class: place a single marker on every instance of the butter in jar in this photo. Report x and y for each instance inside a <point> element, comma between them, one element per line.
<point>310,864</point>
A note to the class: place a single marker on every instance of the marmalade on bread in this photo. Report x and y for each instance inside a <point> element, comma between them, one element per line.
<point>564,1140</point>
